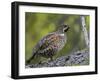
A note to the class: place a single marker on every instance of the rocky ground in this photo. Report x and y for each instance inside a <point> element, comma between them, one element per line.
<point>73,59</point>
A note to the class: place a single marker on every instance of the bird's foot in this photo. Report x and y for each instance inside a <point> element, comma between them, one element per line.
<point>50,60</point>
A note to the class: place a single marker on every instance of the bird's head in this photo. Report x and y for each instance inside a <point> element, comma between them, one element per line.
<point>65,27</point>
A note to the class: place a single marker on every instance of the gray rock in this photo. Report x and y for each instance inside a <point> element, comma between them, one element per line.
<point>73,59</point>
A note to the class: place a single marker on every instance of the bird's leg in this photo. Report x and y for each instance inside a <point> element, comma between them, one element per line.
<point>51,59</point>
<point>40,62</point>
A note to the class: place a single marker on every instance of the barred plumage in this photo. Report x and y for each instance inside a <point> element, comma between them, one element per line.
<point>49,45</point>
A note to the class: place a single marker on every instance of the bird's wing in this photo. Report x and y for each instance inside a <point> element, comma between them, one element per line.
<point>47,42</point>
<point>48,52</point>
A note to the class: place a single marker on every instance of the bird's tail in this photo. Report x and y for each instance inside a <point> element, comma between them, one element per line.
<point>30,59</point>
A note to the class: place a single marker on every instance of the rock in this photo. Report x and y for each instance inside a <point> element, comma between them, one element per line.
<point>73,59</point>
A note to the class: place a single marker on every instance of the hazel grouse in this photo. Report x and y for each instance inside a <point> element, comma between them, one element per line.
<point>52,43</point>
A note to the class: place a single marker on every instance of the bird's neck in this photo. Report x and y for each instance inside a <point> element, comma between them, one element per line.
<point>60,32</point>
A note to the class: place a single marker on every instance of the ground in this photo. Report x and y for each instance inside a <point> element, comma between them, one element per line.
<point>73,59</point>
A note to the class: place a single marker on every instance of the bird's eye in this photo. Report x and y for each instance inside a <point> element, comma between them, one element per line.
<point>65,26</point>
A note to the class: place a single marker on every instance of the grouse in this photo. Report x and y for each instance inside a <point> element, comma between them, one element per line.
<point>52,43</point>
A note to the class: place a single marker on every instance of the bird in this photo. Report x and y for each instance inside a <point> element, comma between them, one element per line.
<point>50,44</point>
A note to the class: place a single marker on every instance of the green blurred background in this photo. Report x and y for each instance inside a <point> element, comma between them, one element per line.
<point>38,25</point>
